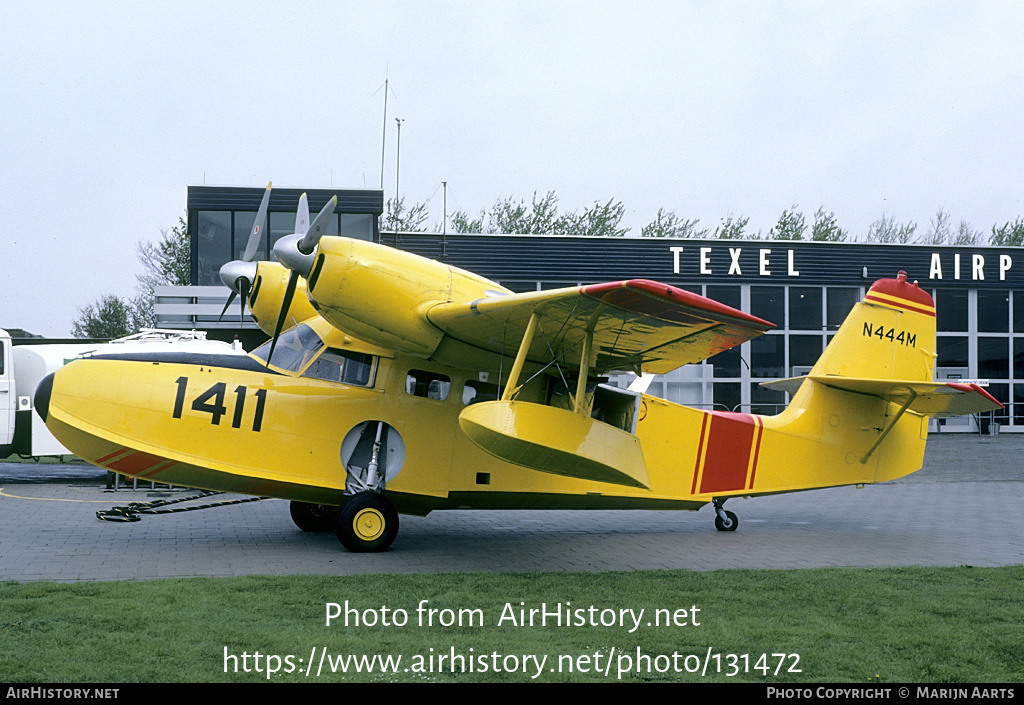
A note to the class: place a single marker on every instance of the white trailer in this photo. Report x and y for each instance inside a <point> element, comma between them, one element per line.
<point>23,367</point>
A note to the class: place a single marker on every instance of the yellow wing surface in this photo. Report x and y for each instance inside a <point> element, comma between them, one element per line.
<point>636,324</point>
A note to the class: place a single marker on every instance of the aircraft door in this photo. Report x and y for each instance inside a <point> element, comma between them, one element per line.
<point>8,400</point>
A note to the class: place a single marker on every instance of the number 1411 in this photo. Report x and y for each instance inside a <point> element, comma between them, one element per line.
<point>212,402</point>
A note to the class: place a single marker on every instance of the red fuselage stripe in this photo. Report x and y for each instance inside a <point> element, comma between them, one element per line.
<point>700,447</point>
<point>729,445</point>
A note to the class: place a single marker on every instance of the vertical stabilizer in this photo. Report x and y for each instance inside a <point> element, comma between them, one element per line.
<point>890,335</point>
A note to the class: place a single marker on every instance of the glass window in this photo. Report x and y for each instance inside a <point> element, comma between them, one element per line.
<point>993,358</point>
<point>728,295</point>
<point>1018,404</point>
<point>214,244</point>
<point>993,311</point>
<point>951,310</point>
<point>474,392</point>
<point>243,228</point>
<point>726,364</point>
<point>804,350</point>
<point>1001,392</point>
<point>295,348</point>
<point>768,303</point>
<point>951,351</point>
<point>343,367</point>
<point>727,396</point>
<point>279,225</point>
<point>766,401</point>
<point>839,301</point>
<point>427,384</point>
<point>804,308</point>
<point>768,356</point>
<point>358,226</point>
<point>1018,358</point>
<point>1018,312</point>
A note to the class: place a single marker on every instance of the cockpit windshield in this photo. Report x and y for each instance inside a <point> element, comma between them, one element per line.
<point>295,348</point>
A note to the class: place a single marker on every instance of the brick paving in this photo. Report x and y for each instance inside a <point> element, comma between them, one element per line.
<point>964,508</point>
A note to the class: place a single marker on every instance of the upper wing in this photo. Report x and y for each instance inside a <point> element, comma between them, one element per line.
<point>637,324</point>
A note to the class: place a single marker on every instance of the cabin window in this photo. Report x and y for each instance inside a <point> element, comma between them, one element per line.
<point>475,392</point>
<point>295,348</point>
<point>427,384</point>
<point>343,367</point>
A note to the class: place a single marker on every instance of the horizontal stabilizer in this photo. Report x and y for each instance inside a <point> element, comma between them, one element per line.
<point>929,398</point>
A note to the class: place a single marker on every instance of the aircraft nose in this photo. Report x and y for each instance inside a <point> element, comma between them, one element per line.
<point>42,398</point>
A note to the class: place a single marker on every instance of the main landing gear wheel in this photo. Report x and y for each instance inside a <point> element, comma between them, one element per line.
<point>314,517</point>
<point>730,522</point>
<point>367,522</point>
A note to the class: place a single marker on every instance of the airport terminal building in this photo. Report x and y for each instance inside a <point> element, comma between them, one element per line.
<point>805,288</point>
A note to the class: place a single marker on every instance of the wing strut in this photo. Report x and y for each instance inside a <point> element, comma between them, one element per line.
<point>581,385</point>
<point>517,366</point>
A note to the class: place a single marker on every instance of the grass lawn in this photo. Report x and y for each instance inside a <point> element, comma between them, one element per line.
<point>932,625</point>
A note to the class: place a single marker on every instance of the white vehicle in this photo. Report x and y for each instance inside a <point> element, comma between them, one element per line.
<point>22,367</point>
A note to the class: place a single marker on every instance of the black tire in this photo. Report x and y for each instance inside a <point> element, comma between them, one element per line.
<point>314,517</point>
<point>730,524</point>
<point>367,523</point>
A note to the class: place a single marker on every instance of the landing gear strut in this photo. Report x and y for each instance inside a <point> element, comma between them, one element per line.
<point>724,520</point>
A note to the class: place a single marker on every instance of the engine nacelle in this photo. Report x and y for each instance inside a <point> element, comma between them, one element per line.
<point>267,295</point>
<point>382,295</point>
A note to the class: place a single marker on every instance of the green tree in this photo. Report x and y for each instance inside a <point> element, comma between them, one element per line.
<point>825,228</point>
<point>109,317</point>
<point>165,262</point>
<point>941,232</point>
<point>462,223</point>
<point>791,226</point>
<point>887,230</point>
<point>512,217</point>
<point>398,218</point>
<point>540,217</point>
<point>1009,235</point>
<point>966,235</point>
<point>668,224</point>
<point>598,221</point>
<point>731,228</point>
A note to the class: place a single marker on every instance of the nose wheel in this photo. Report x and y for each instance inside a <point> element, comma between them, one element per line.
<point>724,519</point>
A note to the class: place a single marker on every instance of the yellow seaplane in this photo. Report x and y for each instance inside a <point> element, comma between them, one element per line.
<point>397,384</point>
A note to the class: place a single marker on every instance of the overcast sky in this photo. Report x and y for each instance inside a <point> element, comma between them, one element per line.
<point>108,111</point>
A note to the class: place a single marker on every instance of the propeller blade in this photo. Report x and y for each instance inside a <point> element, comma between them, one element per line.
<point>257,228</point>
<point>230,299</point>
<point>302,216</point>
<point>318,227</point>
<point>293,279</point>
<point>244,291</point>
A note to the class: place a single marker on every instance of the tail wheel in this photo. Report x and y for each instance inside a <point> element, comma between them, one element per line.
<point>729,523</point>
<point>314,517</point>
<point>367,522</point>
